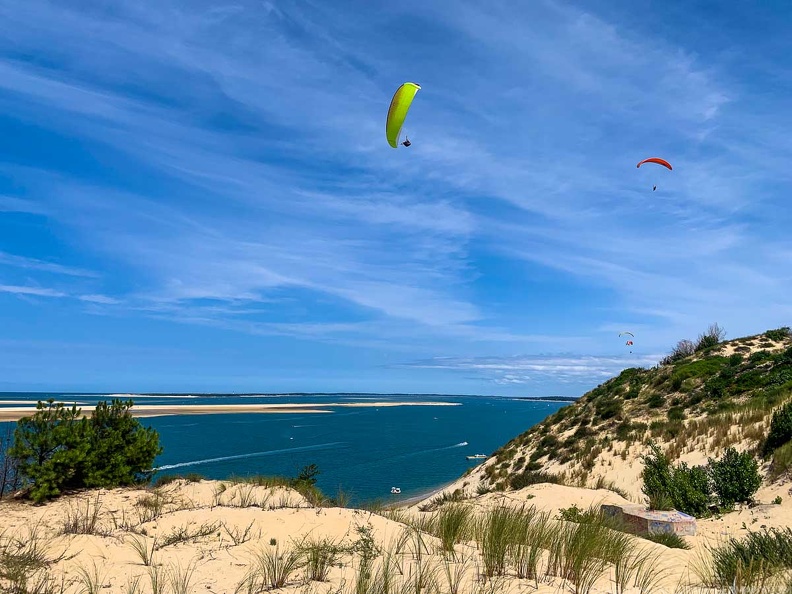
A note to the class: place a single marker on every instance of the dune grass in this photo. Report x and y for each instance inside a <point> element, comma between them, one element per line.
<point>452,524</point>
<point>152,505</point>
<point>84,519</point>
<point>238,534</point>
<point>185,533</point>
<point>320,555</point>
<point>271,568</point>
<point>180,578</point>
<point>93,580</point>
<point>25,559</point>
<point>140,546</point>
<point>760,561</point>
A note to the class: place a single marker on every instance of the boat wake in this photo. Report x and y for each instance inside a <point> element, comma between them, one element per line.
<point>461,444</point>
<point>320,446</point>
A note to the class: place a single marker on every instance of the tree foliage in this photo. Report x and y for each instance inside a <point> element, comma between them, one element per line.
<point>56,450</point>
<point>735,477</point>
<point>9,469</point>
<point>780,429</point>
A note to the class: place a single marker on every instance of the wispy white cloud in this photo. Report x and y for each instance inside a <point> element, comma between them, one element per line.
<point>44,266</point>
<point>31,291</point>
<point>101,299</point>
<point>526,368</point>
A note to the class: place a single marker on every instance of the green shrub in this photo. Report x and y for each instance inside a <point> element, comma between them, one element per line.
<point>670,540</point>
<point>579,433</point>
<point>56,450</point>
<point>703,368</point>
<point>166,479</point>
<point>691,490</point>
<point>676,382</point>
<point>657,477</point>
<point>607,408</point>
<point>784,356</point>
<point>778,334</point>
<point>633,392</point>
<point>735,359</point>
<point>528,478</point>
<point>782,461</point>
<point>710,338</point>
<point>672,429</point>
<point>780,429</point>
<point>579,516</point>
<point>676,413</point>
<point>657,427</point>
<point>623,430</point>
<point>759,356</point>
<point>716,387</point>
<point>750,380</point>
<point>667,487</point>
<point>735,477</point>
<point>655,400</point>
<point>779,377</point>
<point>549,441</point>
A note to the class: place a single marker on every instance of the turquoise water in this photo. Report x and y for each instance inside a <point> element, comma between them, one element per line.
<point>364,451</point>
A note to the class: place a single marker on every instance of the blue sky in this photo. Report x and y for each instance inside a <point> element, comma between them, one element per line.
<point>198,196</point>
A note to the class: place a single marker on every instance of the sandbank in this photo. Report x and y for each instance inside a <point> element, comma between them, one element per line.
<point>156,410</point>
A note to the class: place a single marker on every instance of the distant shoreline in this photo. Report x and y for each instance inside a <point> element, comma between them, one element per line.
<point>15,413</point>
<point>132,395</point>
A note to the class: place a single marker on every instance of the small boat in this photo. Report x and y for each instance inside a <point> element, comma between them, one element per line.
<point>476,457</point>
<point>395,490</point>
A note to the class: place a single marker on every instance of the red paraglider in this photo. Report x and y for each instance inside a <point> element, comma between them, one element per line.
<point>657,160</point>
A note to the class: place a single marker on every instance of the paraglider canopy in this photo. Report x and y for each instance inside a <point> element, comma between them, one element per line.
<point>657,160</point>
<point>623,333</point>
<point>400,105</point>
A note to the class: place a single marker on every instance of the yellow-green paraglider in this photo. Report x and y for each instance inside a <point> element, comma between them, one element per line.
<point>400,105</point>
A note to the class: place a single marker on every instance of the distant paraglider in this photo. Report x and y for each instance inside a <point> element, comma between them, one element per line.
<point>397,112</point>
<point>629,342</point>
<point>658,161</point>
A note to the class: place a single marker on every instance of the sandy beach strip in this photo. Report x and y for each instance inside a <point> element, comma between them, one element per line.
<point>14,413</point>
<point>29,402</point>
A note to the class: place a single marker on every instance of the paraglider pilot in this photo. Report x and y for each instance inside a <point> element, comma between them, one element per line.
<point>406,142</point>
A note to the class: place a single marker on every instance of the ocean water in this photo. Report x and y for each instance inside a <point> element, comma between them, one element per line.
<point>364,451</point>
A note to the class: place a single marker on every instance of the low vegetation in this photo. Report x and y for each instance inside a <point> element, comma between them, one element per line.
<point>700,490</point>
<point>55,450</point>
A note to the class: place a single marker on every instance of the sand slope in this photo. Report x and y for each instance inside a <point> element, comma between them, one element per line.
<point>230,522</point>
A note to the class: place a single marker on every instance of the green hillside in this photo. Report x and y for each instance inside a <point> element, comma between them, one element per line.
<point>704,397</point>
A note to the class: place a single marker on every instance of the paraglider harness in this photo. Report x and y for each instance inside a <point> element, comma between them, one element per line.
<point>406,142</point>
